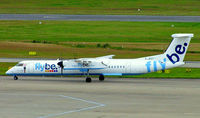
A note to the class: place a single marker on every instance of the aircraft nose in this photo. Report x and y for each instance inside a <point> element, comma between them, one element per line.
<point>8,72</point>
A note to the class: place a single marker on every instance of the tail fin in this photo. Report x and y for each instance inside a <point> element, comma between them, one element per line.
<point>178,47</point>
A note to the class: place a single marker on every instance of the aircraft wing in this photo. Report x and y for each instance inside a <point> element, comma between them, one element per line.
<point>107,57</point>
<point>84,65</point>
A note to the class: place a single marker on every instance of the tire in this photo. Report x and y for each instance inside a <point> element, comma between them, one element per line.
<point>88,80</point>
<point>101,78</point>
<point>15,78</point>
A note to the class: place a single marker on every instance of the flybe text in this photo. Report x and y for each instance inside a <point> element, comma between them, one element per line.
<point>155,65</point>
<point>179,50</point>
<point>46,67</point>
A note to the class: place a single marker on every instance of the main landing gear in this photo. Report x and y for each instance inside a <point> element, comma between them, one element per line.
<point>15,77</point>
<point>88,79</point>
<point>101,78</point>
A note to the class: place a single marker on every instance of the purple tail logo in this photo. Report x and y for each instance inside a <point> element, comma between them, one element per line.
<point>179,50</point>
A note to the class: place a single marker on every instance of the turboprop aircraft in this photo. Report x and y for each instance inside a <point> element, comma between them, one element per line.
<point>105,65</point>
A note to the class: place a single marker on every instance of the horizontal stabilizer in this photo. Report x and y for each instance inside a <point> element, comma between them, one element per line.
<point>106,57</point>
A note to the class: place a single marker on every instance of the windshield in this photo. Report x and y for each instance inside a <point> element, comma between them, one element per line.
<point>19,64</point>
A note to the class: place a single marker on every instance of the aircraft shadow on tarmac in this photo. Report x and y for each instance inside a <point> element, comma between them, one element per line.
<point>81,80</point>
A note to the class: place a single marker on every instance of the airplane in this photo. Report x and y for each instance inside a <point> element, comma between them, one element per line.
<point>106,65</point>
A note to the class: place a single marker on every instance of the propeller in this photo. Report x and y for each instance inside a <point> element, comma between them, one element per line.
<point>60,64</point>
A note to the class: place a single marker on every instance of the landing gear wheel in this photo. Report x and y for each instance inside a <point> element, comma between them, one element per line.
<point>88,80</point>
<point>101,78</point>
<point>15,78</point>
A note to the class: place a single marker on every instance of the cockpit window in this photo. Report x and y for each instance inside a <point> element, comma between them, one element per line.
<point>19,64</point>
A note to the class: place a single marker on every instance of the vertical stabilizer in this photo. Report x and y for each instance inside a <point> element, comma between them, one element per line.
<point>178,47</point>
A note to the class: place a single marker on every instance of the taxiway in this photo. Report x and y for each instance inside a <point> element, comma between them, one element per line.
<point>71,97</point>
<point>100,17</point>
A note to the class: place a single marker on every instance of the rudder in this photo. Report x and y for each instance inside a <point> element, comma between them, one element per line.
<point>178,47</point>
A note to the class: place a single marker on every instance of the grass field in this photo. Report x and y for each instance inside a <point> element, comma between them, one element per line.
<point>66,39</point>
<point>73,50</point>
<point>147,7</point>
<point>95,31</point>
<point>174,73</point>
<point>20,50</point>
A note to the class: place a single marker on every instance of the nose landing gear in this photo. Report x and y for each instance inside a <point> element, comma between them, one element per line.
<point>88,78</point>
<point>15,77</point>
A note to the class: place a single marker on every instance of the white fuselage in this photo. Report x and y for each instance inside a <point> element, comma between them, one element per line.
<point>113,67</point>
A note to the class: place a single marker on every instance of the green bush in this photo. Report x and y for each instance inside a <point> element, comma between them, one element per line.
<point>80,45</point>
<point>106,45</point>
<point>98,45</point>
<point>35,41</point>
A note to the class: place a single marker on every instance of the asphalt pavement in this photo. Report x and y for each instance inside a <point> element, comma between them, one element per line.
<point>56,97</point>
<point>99,17</point>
